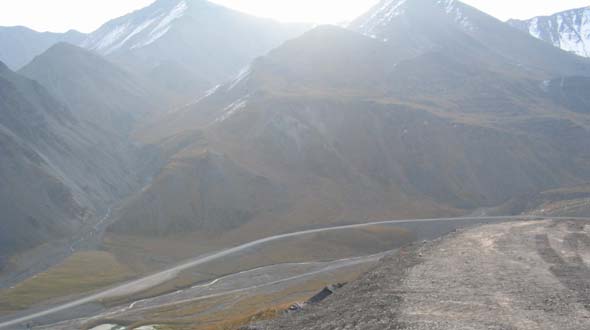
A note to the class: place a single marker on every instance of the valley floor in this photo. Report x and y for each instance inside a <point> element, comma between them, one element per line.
<point>516,275</point>
<point>296,265</point>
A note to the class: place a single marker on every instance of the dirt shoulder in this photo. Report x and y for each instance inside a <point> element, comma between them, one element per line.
<point>519,275</point>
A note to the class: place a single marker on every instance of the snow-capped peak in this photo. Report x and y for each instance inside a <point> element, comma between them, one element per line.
<point>387,11</point>
<point>568,30</point>
<point>382,15</point>
<point>454,9</point>
<point>137,29</point>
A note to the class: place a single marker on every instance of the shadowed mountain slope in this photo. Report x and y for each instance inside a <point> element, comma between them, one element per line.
<point>67,131</point>
<point>56,171</point>
<point>19,45</point>
<point>205,42</point>
<point>347,126</point>
<point>96,90</point>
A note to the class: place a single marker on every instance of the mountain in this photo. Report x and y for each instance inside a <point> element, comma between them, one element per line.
<point>19,45</point>
<point>568,30</point>
<point>72,143</point>
<point>31,192</point>
<point>205,42</point>
<point>98,91</point>
<point>457,28</point>
<point>56,172</point>
<point>518,261</point>
<point>421,108</point>
<point>185,47</point>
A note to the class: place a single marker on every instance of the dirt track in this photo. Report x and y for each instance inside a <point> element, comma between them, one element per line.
<point>518,275</point>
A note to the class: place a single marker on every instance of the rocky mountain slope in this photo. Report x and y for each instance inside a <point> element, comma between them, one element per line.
<point>568,30</point>
<point>399,119</point>
<point>98,91</point>
<point>19,45</point>
<point>155,58</point>
<point>520,275</point>
<point>571,201</point>
<point>185,47</point>
<point>459,29</point>
<point>56,171</point>
<point>188,45</point>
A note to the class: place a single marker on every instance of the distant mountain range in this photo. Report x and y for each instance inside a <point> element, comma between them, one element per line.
<point>568,30</point>
<point>56,170</point>
<point>185,46</point>
<point>195,33</point>
<point>67,114</point>
<point>419,108</point>
<point>19,45</point>
<point>98,91</point>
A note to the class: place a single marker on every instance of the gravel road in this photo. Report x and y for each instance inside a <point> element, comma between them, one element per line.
<point>517,275</point>
<point>138,285</point>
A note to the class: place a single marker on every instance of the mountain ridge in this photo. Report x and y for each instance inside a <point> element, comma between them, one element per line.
<point>58,170</point>
<point>435,24</point>
<point>184,46</point>
<point>19,44</point>
<point>99,92</point>
<point>416,114</point>
<point>208,42</point>
<point>568,30</point>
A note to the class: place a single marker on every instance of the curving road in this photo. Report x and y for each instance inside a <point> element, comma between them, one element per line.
<point>163,276</point>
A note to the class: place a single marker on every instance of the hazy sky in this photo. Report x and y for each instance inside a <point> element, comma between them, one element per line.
<point>87,15</point>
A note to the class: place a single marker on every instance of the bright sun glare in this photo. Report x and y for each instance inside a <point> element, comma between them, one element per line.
<point>325,12</point>
<point>88,15</point>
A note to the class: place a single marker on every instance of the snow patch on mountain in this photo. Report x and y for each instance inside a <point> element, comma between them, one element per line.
<point>449,5</point>
<point>463,20</point>
<point>388,10</point>
<point>452,9</point>
<point>568,30</point>
<point>164,24</point>
<point>244,73</point>
<point>534,28</point>
<point>114,44</point>
<point>382,15</point>
<point>110,38</point>
<point>232,109</point>
<point>154,36</point>
<point>136,30</point>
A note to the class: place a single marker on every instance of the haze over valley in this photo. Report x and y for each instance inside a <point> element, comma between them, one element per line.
<point>190,166</point>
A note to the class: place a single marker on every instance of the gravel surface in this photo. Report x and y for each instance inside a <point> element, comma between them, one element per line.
<point>517,275</point>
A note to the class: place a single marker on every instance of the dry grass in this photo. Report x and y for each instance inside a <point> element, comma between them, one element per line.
<point>316,247</point>
<point>80,273</point>
<point>233,311</point>
<point>147,254</point>
<point>229,312</point>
